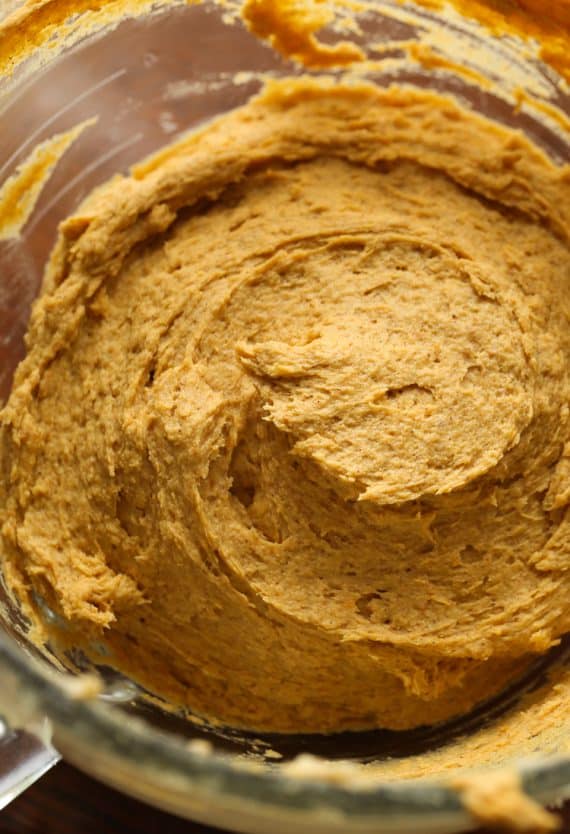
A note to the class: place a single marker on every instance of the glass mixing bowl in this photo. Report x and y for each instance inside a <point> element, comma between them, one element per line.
<point>147,78</point>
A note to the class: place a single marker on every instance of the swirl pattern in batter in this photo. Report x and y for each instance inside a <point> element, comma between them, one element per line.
<point>291,439</point>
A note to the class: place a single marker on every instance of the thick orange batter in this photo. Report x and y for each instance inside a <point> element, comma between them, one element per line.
<point>291,437</point>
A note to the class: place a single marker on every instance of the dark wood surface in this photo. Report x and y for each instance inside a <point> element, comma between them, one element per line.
<point>67,802</point>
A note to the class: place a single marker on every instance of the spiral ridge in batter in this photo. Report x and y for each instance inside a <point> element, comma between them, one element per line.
<point>291,437</point>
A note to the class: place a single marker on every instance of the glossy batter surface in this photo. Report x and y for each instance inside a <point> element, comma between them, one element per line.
<point>291,438</point>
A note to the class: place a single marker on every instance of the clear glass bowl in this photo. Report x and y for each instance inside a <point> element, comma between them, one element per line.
<point>146,80</point>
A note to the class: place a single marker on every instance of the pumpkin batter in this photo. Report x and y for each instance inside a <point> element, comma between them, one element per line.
<point>291,443</point>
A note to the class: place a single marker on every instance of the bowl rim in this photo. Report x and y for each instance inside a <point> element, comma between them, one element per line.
<point>132,741</point>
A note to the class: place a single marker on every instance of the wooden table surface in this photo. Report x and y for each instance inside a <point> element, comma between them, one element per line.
<point>67,802</point>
